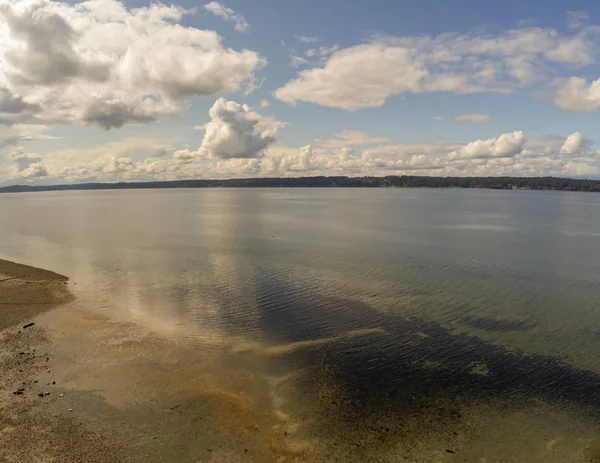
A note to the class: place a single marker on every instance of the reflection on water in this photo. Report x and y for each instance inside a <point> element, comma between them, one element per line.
<point>387,325</point>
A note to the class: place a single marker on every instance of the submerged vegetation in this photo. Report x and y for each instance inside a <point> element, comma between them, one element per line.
<point>403,181</point>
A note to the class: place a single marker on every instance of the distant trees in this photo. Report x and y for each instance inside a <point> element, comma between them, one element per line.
<point>392,181</point>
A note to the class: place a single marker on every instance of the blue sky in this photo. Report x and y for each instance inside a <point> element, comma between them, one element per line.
<point>110,91</point>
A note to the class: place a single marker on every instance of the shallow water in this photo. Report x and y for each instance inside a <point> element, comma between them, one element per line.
<point>387,324</point>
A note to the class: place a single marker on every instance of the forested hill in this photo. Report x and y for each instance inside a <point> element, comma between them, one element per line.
<point>498,183</point>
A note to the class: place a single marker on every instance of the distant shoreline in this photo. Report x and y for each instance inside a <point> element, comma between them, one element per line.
<point>495,183</point>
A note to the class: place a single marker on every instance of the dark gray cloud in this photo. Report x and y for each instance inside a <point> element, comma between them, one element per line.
<point>110,115</point>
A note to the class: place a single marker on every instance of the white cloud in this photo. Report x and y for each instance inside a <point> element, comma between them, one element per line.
<point>362,76</point>
<point>73,162</point>
<point>537,157</point>
<point>117,165</point>
<point>576,96</point>
<point>235,131</point>
<point>506,145</point>
<point>264,103</point>
<point>125,160</point>
<point>312,56</point>
<point>218,9</point>
<point>184,156</point>
<point>510,154</point>
<point>300,162</point>
<point>344,154</point>
<point>367,75</point>
<point>35,170</point>
<point>307,39</point>
<point>93,62</point>
<point>27,165</point>
<point>472,118</point>
<point>326,51</point>
<point>315,56</point>
<point>201,127</point>
<point>76,174</point>
<point>298,61</point>
<point>573,144</point>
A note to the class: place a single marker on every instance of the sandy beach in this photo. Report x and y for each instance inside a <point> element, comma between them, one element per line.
<point>76,386</point>
<point>31,427</point>
<point>29,291</point>
<point>69,391</point>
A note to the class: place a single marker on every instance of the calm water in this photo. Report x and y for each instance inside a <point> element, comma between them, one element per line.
<point>437,315</point>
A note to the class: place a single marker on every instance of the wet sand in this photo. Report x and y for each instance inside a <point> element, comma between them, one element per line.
<point>27,291</point>
<point>29,431</point>
<point>80,387</point>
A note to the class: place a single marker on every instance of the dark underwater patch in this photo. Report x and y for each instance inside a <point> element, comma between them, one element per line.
<point>371,372</point>
<point>492,324</point>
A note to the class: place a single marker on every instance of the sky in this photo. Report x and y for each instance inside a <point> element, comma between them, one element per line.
<point>105,90</point>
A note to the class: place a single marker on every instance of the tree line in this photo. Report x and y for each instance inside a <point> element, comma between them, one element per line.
<point>391,181</point>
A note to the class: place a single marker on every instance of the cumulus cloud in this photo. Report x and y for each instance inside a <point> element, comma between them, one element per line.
<point>125,160</point>
<point>184,156</point>
<point>505,146</point>
<point>93,62</point>
<point>472,118</point>
<point>367,75</point>
<point>97,163</point>
<point>573,144</point>
<point>229,15</point>
<point>509,154</point>
<point>27,165</point>
<point>344,154</point>
<point>235,131</point>
<point>118,164</point>
<point>76,174</point>
<point>35,170</point>
<point>576,96</point>
<point>300,162</point>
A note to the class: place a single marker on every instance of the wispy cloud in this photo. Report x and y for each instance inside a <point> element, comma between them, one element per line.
<point>307,39</point>
<point>229,15</point>
<point>577,19</point>
<point>472,118</point>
